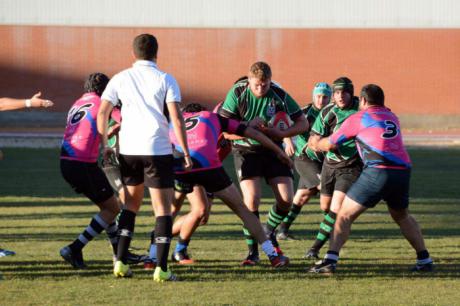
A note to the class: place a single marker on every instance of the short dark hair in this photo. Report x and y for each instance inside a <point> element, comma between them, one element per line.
<point>193,108</point>
<point>145,47</point>
<point>96,82</point>
<point>373,94</point>
<point>345,84</point>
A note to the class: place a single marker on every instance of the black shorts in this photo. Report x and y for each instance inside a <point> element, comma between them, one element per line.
<point>212,180</point>
<point>154,171</point>
<point>338,179</point>
<point>309,172</point>
<point>264,164</point>
<point>88,179</point>
<point>375,184</point>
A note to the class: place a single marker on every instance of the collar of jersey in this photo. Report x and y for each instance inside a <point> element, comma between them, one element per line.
<point>144,63</point>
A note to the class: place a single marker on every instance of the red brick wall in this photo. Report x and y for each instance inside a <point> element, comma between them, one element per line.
<point>419,69</point>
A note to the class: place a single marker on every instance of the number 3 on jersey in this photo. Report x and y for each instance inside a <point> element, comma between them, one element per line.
<point>391,129</point>
<point>78,113</point>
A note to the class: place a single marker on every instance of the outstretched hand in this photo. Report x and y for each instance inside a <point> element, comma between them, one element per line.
<point>36,101</point>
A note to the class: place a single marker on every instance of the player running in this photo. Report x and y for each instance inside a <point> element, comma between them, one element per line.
<point>307,162</point>
<point>386,175</point>
<point>258,99</point>
<point>203,130</point>
<point>79,154</point>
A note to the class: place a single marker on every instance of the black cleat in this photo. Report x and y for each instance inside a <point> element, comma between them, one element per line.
<point>75,259</point>
<point>429,267</point>
<point>311,254</point>
<point>323,267</point>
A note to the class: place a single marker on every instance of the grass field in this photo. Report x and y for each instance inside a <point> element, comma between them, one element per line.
<point>39,214</point>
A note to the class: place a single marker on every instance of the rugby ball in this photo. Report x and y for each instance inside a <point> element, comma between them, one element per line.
<point>281,121</point>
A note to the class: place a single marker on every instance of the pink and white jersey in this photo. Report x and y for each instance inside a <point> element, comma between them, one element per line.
<point>81,140</point>
<point>378,138</point>
<point>203,130</point>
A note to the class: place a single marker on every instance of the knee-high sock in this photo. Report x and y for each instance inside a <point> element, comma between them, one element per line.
<point>289,219</point>
<point>125,233</point>
<point>163,234</point>
<point>250,240</point>
<point>325,229</point>
<point>95,227</point>
<point>275,217</point>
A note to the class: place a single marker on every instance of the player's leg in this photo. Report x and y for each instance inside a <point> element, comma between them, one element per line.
<point>249,170</point>
<point>159,178</point>
<point>348,213</point>
<point>88,178</point>
<point>231,197</point>
<point>397,198</point>
<point>283,190</point>
<point>251,190</point>
<point>309,172</point>
<point>198,208</point>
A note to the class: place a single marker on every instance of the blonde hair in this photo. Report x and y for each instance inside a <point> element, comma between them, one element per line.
<point>261,71</point>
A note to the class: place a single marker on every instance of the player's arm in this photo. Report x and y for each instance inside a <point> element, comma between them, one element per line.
<point>7,104</point>
<point>268,143</point>
<point>179,130</point>
<point>318,130</point>
<point>103,116</point>
<point>348,130</point>
<point>289,146</point>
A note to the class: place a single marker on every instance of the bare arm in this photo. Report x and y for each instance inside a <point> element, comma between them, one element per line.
<point>7,104</point>
<point>179,130</point>
<point>300,125</point>
<point>102,127</point>
<point>316,143</point>
<point>268,143</point>
<point>289,146</point>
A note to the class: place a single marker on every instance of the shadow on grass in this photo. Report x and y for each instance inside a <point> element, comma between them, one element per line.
<point>225,270</point>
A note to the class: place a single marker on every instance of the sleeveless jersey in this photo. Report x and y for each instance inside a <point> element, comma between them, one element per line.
<point>203,130</point>
<point>378,137</point>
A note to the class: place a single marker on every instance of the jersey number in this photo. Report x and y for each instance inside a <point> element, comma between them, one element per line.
<point>77,114</point>
<point>391,129</point>
<point>191,123</point>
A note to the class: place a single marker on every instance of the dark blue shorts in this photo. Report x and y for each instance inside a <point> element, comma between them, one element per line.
<point>375,184</point>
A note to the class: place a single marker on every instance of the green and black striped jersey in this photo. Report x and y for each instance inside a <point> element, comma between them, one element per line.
<point>329,120</point>
<point>311,113</point>
<point>241,104</point>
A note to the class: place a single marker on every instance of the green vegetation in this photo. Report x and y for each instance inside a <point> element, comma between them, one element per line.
<point>39,214</point>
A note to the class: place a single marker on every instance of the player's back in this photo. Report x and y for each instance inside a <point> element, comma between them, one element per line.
<point>380,140</point>
<point>81,139</point>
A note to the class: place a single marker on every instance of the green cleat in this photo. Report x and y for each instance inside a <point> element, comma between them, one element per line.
<point>160,276</point>
<point>121,270</point>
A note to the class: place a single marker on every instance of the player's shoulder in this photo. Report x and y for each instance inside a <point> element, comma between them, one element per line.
<point>329,108</point>
<point>240,87</point>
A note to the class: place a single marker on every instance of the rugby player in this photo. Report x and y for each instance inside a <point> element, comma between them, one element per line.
<point>386,175</point>
<point>342,166</point>
<point>257,99</point>
<point>78,162</point>
<point>307,162</point>
<point>203,130</point>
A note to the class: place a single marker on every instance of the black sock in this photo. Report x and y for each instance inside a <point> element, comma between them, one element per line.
<point>251,241</point>
<point>125,233</point>
<point>163,234</point>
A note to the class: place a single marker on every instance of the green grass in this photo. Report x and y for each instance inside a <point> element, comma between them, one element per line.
<point>39,214</point>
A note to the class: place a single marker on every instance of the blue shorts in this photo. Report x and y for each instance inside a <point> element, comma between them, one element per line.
<point>375,184</point>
